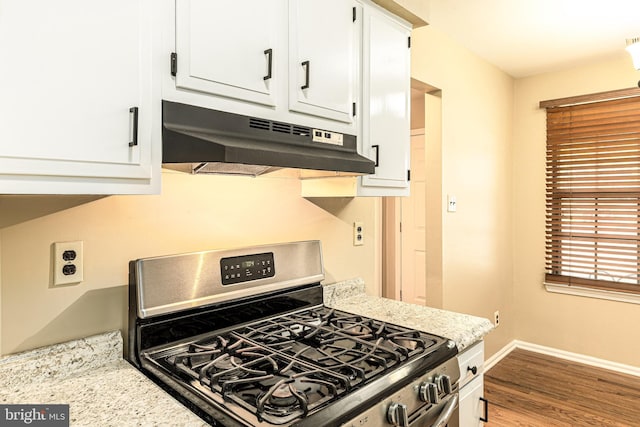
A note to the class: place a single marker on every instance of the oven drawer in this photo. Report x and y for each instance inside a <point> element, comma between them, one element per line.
<point>471,363</point>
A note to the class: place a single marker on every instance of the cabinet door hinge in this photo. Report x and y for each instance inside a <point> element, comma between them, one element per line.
<point>409,42</point>
<point>174,64</point>
<point>401,227</point>
<point>353,109</point>
<point>353,16</point>
<point>408,175</point>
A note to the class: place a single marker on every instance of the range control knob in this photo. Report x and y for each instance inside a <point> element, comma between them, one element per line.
<point>397,415</point>
<point>444,383</point>
<point>428,392</point>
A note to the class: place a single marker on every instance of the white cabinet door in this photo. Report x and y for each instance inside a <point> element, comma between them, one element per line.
<point>228,47</point>
<point>472,408</point>
<point>72,72</point>
<point>386,102</point>
<point>323,57</point>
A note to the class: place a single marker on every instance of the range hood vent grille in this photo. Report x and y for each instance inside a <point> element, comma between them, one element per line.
<point>281,127</point>
<point>302,131</point>
<point>259,123</point>
<point>278,127</point>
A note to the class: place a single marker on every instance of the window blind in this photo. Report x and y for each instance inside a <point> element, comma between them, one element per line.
<point>593,193</point>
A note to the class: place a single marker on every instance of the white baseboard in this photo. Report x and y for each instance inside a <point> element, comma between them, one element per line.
<point>499,355</point>
<point>561,354</point>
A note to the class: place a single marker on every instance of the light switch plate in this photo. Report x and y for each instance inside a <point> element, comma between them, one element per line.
<point>451,203</point>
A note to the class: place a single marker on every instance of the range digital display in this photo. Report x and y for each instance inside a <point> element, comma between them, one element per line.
<point>234,270</point>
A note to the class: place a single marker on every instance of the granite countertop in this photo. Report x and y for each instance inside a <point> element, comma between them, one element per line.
<point>463,329</point>
<point>90,376</point>
<point>102,389</point>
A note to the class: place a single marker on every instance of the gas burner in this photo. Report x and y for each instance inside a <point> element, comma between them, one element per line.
<point>248,365</point>
<point>354,328</point>
<point>227,362</point>
<point>199,354</point>
<point>281,333</point>
<point>278,389</point>
<point>283,395</point>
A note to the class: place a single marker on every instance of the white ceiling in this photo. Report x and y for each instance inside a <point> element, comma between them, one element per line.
<point>527,37</point>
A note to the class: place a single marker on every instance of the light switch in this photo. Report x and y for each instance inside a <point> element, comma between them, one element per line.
<point>451,203</point>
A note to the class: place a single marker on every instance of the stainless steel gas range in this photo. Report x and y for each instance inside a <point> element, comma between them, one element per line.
<point>242,338</point>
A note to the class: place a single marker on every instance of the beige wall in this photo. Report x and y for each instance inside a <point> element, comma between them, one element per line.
<point>193,213</point>
<point>0,291</point>
<point>476,166</point>
<point>597,328</point>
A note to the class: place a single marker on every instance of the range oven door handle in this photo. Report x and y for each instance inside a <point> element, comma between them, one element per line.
<point>447,412</point>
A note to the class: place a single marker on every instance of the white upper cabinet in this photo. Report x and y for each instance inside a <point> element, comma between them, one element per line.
<point>323,57</point>
<point>228,47</point>
<point>253,57</point>
<point>384,118</point>
<point>76,102</point>
<point>386,102</point>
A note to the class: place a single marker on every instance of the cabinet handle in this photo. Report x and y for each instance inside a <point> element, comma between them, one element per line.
<point>473,369</point>
<point>485,419</point>
<point>269,53</point>
<point>133,114</point>
<point>377,147</point>
<point>306,66</point>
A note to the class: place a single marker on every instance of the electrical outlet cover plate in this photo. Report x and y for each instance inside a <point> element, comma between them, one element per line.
<point>358,233</point>
<point>67,256</point>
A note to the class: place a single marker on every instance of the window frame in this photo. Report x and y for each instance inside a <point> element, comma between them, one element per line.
<point>560,255</point>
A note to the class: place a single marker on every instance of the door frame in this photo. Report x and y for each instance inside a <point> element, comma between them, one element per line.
<point>431,126</point>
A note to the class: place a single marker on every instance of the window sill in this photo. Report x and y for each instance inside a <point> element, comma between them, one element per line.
<point>593,293</point>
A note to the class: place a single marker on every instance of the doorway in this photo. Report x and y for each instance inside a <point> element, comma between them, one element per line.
<point>412,226</point>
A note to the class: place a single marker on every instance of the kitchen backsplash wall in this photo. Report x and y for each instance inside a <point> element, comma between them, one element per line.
<point>193,213</point>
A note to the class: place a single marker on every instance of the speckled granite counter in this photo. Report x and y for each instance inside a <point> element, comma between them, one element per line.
<point>90,375</point>
<point>462,328</point>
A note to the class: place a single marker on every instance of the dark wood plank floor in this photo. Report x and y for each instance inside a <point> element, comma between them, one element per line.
<point>531,389</point>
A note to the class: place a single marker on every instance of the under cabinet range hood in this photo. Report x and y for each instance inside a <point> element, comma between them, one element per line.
<point>200,140</point>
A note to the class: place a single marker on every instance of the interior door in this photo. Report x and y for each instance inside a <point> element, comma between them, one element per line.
<point>414,256</point>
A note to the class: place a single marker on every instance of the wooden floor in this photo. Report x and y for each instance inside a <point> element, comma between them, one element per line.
<point>531,389</point>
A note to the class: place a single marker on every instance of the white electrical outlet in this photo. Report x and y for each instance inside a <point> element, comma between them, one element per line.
<point>358,233</point>
<point>67,263</point>
<point>496,318</point>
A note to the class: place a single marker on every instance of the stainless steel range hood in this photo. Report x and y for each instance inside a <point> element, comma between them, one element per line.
<point>200,140</point>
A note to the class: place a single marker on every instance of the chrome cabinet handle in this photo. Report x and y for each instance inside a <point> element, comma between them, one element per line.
<point>307,66</point>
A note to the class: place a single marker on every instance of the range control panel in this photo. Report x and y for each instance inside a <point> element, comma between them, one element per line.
<point>246,268</point>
